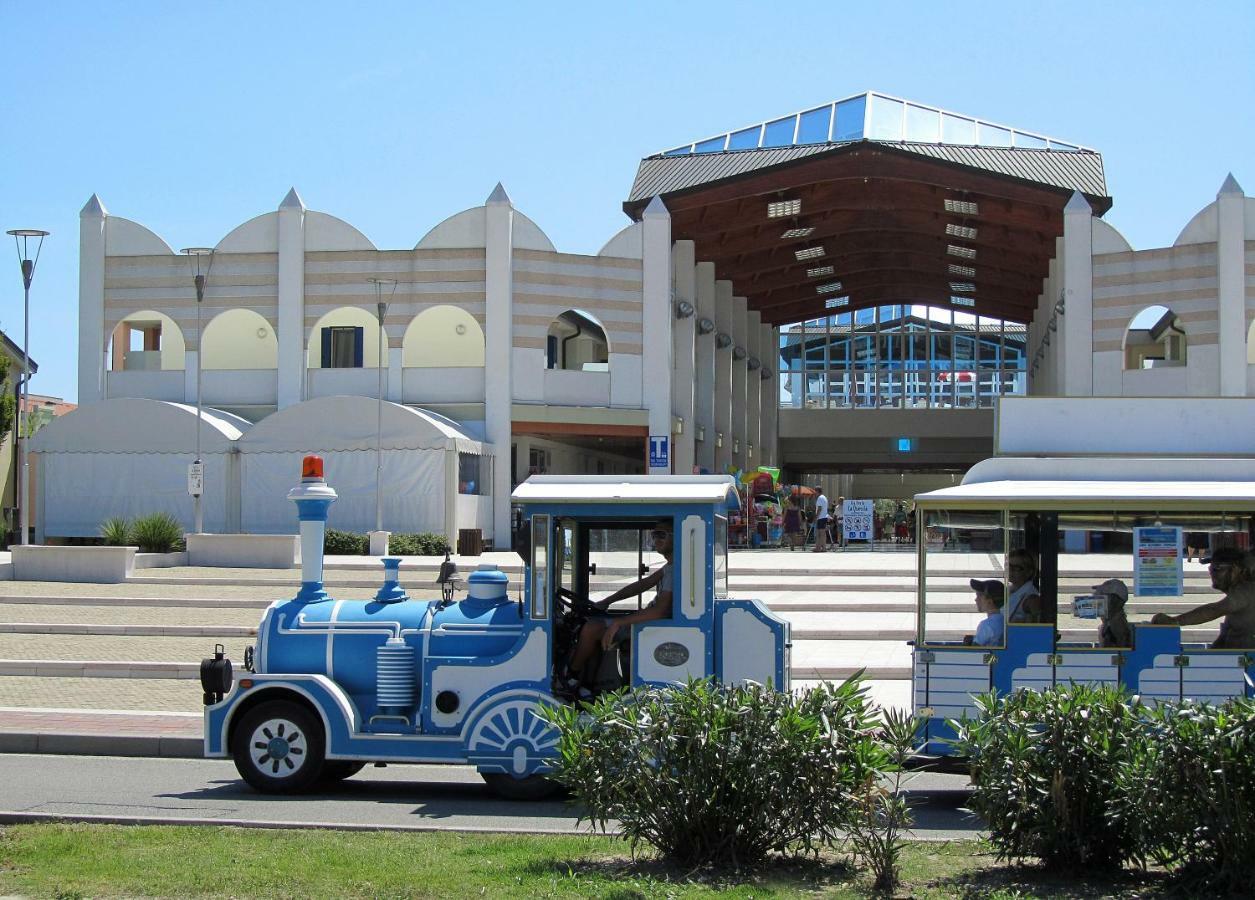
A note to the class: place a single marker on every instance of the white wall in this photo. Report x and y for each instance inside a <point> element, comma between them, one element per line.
<point>239,339</point>
<point>443,337</point>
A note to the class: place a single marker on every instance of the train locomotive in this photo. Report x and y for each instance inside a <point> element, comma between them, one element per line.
<point>334,684</point>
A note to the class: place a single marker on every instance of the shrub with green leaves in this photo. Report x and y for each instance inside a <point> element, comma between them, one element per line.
<point>344,543</point>
<point>1188,796</point>
<point>116,532</point>
<point>158,533</point>
<point>1044,771</point>
<point>717,775</point>
<point>427,543</point>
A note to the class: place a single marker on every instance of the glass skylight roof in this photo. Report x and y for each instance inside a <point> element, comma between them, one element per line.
<point>877,117</point>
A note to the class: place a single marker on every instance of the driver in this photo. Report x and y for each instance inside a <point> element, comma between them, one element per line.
<point>606,630</point>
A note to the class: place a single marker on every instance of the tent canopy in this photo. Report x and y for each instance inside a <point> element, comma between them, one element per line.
<point>127,425</point>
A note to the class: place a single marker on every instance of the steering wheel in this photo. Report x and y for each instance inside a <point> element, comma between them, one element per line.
<point>576,603</point>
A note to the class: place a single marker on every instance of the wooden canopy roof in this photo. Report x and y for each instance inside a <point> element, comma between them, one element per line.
<point>897,223</point>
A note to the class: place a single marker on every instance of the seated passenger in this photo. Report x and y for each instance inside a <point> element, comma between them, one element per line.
<point>1024,602</point>
<point>1114,630</point>
<point>605,630</point>
<point>989,599</point>
<point>1231,573</point>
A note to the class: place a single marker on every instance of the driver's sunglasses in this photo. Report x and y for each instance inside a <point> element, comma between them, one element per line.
<point>660,534</point>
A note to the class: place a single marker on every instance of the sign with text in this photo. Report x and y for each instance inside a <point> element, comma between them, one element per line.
<point>856,520</point>
<point>1157,564</point>
<point>196,478</point>
<point>659,451</point>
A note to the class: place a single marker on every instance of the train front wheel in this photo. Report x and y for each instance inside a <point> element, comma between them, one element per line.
<point>279,747</point>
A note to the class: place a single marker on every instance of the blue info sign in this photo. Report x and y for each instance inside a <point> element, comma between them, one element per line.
<point>1157,568</point>
<point>659,451</point>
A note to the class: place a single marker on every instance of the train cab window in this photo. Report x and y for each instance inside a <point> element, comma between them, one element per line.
<point>721,556</point>
<point>618,554</point>
<point>540,567</point>
<point>960,546</point>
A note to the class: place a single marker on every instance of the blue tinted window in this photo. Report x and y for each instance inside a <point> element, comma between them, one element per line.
<point>814,126</point>
<point>679,151</point>
<point>1027,140</point>
<point>714,145</point>
<point>885,121</point>
<point>850,117</point>
<point>865,317</point>
<point>956,130</point>
<point>779,133</point>
<point>745,140</point>
<point>922,125</point>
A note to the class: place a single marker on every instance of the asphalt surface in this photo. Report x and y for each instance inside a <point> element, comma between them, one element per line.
<point>424,798</point>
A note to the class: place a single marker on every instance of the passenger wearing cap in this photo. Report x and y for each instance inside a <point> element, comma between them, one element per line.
<point>1231,573</point>
<point>990,595</point>
<point>1115,630</point>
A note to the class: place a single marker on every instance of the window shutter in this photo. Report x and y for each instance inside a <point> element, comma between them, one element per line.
<point>359,342</point>
<point>326,348</point>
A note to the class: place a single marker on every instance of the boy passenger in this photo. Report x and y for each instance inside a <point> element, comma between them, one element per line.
<point>1115,630</point>
<point>989,600</point>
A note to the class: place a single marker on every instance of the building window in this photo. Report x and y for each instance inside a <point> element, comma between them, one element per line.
<point>342,347</point>
<point>1154,340</point>
<point>577,342</point>
<point>537,461</point>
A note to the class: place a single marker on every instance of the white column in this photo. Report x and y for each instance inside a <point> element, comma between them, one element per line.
<point>1231,286</point>
<point>656,323</point>
<point>1076,326</point>
<point>704,368</point>
<point>769,405</point>
<point>91,301</point>
<point>753,422</point>
<point>683,347</point>
<point>498,339</point>
<point>723,376</point>
<point>739,366</point>
<point>395,374</point>
<point>291,330</point>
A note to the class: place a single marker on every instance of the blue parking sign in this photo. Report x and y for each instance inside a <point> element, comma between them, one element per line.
<point>659,451</point>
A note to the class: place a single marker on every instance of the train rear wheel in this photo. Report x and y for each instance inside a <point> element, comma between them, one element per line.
<point>533,787</point>
<point>279,747</point>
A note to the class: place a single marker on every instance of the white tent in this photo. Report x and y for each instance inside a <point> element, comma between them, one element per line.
<point>420,472</point>
<point>129,457</point>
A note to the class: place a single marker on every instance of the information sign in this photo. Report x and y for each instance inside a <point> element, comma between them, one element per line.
<point>196,479</point>
<point>856,520</point>
<point>659,451</point>
<point>1157,563</point>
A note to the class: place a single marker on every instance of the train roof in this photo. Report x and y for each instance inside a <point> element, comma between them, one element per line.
<point>693,489</point>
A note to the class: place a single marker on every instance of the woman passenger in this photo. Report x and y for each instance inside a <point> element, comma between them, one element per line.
<point>1024,601</point>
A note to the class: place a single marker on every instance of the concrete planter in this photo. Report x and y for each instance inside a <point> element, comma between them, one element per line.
<point>244,551</point>
<point>160,560</point>
<point>98,565</point>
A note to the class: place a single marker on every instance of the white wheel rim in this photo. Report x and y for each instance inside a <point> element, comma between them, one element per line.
<point>278,748</point>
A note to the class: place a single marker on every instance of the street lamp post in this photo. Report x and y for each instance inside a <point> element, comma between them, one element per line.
<point>198,258</point>
<point>22,238</point>
<point>381,310</point>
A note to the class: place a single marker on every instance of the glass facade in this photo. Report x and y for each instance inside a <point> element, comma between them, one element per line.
<point>877,117</point>
<point>903,356</point>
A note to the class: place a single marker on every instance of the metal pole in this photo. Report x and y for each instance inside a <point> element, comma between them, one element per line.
<point>197,510</point>
<point>23,410</point>
<point>382,308</point>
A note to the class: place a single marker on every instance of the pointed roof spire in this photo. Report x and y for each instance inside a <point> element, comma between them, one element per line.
<point>498,197</point>
<point>1077,203</point>
<point>1230,186</point>
<point>94,207</point>
<point>292,201</point>
<point>656,209</point>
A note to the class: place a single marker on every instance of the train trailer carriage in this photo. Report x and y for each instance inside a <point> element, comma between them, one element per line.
<point>333,684</point>
<point>1085,551</point>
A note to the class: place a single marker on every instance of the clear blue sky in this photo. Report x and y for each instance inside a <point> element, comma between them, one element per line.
<point>195,118</point>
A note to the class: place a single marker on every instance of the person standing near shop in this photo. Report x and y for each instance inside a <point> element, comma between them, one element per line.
<point>821,520</point>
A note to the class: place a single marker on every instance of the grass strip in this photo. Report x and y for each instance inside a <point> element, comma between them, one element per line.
<point>72,860</point>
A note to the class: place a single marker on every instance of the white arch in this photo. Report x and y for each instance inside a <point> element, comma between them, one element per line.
<point>239,339</point>
<point>443,337</point>
<point>259,234</point>
<point>1108,239</point>
<point>627,244</point>
<point>577,340</point>
<point>1153,338</point>
<point>347,317</point>
<point>172,346</point>
<point>1202,229</point>
<point>124,237</point>
<point>467,229</point>
<point>325,232</point>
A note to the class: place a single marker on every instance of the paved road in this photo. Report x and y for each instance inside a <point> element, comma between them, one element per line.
<point>397,797</point>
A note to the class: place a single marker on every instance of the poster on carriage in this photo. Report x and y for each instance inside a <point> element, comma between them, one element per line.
<point>1157,566</point>
<point>857,520</point>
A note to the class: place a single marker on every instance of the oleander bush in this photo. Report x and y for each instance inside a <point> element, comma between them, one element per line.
<point>1188,796</point>
<point>1044,768</point>
<point>344,543</point>
<point>157,533</point>
<point>116,532</point>
<point>722,776</point>
<point>427,543</point>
